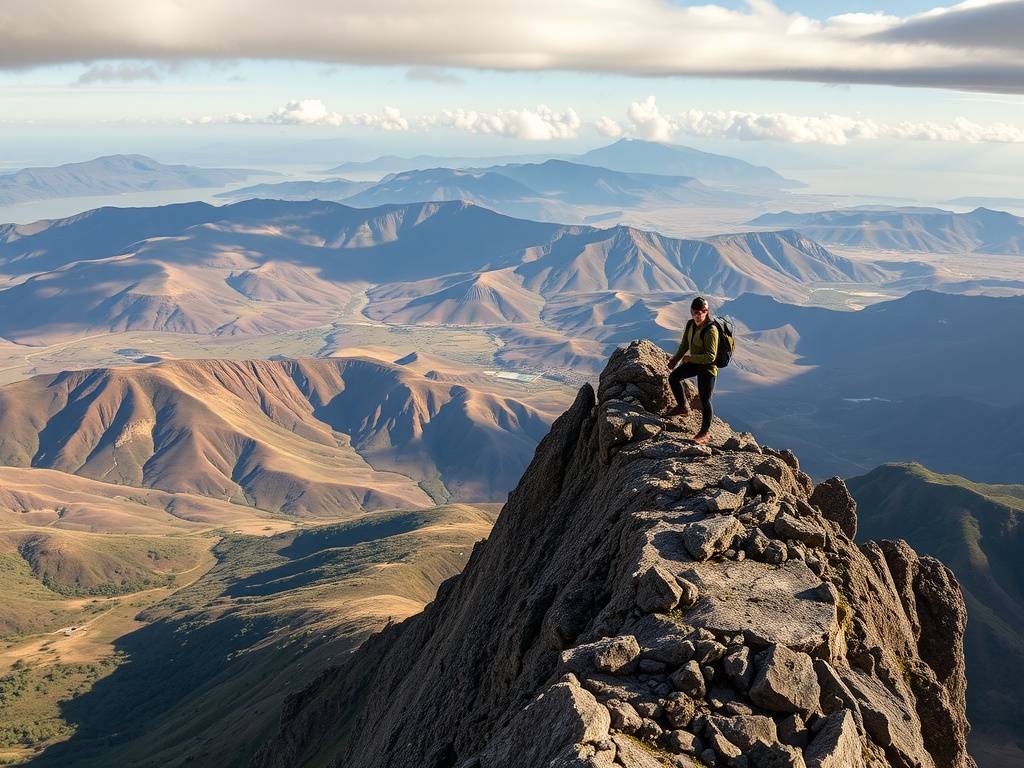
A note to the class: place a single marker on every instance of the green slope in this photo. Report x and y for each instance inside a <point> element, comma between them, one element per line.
<point>976,530</point>
<point>203,681</point>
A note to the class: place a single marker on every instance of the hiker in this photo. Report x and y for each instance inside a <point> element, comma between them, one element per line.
<point>698,351</point>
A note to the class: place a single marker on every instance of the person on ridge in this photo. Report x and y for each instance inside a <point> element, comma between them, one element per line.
<point>697,351</point>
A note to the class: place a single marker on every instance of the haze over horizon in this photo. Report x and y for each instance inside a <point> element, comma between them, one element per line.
<point>834,95</point>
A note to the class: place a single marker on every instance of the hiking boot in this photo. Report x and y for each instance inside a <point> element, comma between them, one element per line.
<point>678,410</point>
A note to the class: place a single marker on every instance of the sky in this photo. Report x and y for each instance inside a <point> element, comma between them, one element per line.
<point>799,83</point>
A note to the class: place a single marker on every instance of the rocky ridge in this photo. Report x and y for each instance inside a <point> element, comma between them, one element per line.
<point>643,601</point>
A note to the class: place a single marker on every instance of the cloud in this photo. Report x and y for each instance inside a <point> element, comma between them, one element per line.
<point>976,45</point>
<point>433,75</point>
<point>540,124</point>
<point>609,128</point>
<point>311,112</point>
<point>645,120</point>
<point>122,73</point>
<point>996,25</point>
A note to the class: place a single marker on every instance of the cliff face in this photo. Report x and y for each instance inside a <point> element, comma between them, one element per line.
<point>644,601</point>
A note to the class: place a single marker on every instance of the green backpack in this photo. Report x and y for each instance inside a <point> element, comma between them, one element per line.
<point>726,339</point>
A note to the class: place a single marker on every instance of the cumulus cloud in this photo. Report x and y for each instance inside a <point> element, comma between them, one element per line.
<point>540,124</point>
<point>608,127</point>
<point>646,121</point>
<point>976,45</point>
<point>312,112</point>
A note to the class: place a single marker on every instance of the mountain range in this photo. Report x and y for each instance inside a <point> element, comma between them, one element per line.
<point>908,229</point>
<point>112,175</point>
<point>554,190</point>
<point>264,266</point>
<point>976,530</point>
<point>929,377</point>
<point>633,156</point>
<point>327,438</point>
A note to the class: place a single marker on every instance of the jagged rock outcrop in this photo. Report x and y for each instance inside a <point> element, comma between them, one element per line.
<point>643,601</point>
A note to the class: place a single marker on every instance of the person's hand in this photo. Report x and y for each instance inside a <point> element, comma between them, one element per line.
<point>672,360</point>
<point>686,358</point>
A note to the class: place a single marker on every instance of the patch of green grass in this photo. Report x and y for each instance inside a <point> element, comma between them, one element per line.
<point>30,699</point>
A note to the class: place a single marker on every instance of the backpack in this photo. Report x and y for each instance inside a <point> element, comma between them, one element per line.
<point>726,339</point>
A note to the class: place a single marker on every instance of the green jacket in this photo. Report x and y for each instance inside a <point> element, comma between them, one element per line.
<point>703,345</point>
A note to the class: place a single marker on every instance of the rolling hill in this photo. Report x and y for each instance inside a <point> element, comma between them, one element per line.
<point>111,175</point>
<point>975,529</point>
<point>311,438</point>
<point>908,229</point>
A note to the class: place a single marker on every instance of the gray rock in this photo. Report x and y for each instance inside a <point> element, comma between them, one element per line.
<point>657,590</point>
<point>690,680</point>
<point>643,365</point>
<point>785,681</point>
<point>793,731</point>
<point>744,730</point>
<point>724,501</point>
<point>650,666</point>
<point>801,529</point>
<point>723,747</point>
<point>628,754</point>
<point>835,695</point>
<point>624,716</point>
<point>690,592</point>
<point>616,655</point>
<point>757,543</point>
<point>680,710</point>
<point>708,651</point>
<point>775,553</point>
<point>766,604</point>
<point>837,744</point>
<point>680,741</point>
<point>836,504</point>
<point>566,714</point>
<point>650,732</point>
<point>709,756</point>
<point>709,537</point>
<point>763,755</point>
<point>738,668</point>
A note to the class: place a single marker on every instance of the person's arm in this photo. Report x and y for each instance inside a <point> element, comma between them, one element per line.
<point>710,348</point>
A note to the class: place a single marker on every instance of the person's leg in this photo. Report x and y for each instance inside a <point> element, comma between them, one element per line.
<point>705,388</point>
<point>675,382</point>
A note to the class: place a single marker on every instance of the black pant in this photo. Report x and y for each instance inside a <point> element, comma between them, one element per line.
<point>705,386</point>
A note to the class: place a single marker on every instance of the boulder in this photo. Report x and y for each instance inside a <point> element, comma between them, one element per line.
<point>763,755</point>
<point>744,730</point>
<point>566,714</point>
<point>624,716</point>
<point>629,754</point>
<point>680,710</point>
<point>789,527</point>
<point>837,744</point>
<point>785,681</point>
<point>657,590</point>
<point>642,365</point>
<point>690,680</point>
<point>738,668</point>
<point>725,501</point>
<point>615,655</point>
<point>834,501</point>
<point>711,536</point>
